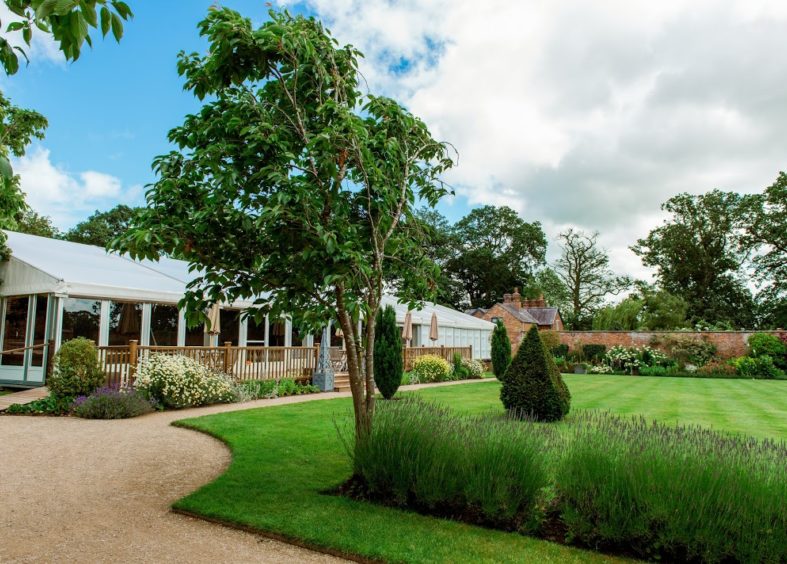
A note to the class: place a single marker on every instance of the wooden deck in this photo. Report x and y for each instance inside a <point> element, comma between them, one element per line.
<point>25,396</point>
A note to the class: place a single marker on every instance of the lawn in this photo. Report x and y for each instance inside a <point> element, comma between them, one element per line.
<point>283,457</point>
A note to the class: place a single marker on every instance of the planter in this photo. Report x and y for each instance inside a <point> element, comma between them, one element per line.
<point>580,369</point>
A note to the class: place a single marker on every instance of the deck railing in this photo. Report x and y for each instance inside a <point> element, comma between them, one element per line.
<point>244,363</point>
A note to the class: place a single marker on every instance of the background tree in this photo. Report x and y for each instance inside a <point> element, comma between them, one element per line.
<point>583,267</point>
<point>388,361</point>
<point>440,245</point>
<point>661,310</point>
<point>68,22</point>
<point>548,284</point>
<point>32,223</point>
<point>623,316</point>
<point>290,187</point>
<point>698,255</point>
<point>102,227</point>
<point>496,250</point>
<point>18,127</point>
<point>501,350</point>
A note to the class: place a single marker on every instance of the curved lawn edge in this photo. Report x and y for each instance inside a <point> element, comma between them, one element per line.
<point>274,491</point>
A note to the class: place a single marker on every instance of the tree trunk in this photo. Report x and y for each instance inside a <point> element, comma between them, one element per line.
<point>362,408</point>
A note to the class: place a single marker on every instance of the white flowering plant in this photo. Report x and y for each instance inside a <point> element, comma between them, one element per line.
<point>601,369</point>
<point>622,358</point>
<point>473,368</point>
<point>176,381</point>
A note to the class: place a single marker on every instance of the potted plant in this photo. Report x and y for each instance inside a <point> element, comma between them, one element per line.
<point>581,368</point>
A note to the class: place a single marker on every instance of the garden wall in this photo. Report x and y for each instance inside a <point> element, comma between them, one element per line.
<point>729,344</point>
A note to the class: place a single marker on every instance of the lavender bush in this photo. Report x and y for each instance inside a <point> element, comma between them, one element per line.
<point>112,403</point>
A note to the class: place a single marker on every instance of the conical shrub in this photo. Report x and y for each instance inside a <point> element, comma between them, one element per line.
<point>388,362</point>
<point>501,350</point>
<point>532,385</point>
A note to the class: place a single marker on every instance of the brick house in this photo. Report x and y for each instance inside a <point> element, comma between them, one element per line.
<point>520,315</point>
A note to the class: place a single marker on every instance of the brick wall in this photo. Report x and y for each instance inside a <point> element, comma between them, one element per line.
<point>728,343</point>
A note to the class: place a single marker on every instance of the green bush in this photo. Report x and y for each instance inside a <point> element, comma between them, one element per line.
<point>765,344</point>
<point>560,351</point>
<point>458,370</point>
<point>49,405</point>
<point>424,456</point>
<point>287,387</point>
<point>430,368</point>
<point>673,494</point>
<point>473,369</point>
<point>594,353</point>
<point>111,403</point>
<point>76,370</point>
<point>258,389</point>
<point>761,368</point>
<point>501,350</point>
<point>388,363</point>
<point>177,381</point>
<point>688,350</point>
<point>532,385</point>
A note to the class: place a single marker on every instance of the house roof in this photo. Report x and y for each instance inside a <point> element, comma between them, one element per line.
<point>520,314</point>
<point>41,265</point>
<point>543,315</point>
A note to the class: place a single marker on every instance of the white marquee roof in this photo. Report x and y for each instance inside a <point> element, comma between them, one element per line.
<point>41,265</point>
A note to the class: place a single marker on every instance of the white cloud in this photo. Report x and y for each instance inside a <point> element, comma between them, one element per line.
<point>67,197</point>
<point>588,113</point>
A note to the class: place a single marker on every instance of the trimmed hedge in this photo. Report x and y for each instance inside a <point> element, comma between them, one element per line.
<point>76,370</point>
<point>501,350</point>
<point>388,363</point>
<point>532,385</point>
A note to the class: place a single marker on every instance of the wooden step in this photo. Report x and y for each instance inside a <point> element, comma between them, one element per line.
<point>341,382</point>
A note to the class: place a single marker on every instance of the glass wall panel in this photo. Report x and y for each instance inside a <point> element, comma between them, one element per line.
<point>125,322</point>
<point>163,325</point>
<point>81,318</point>
<point>39,330</point>
<point>298,336</point>
<point>230,326</point>
<point>14,331</point>
<point>196,336</point>
<point>277,330</point>
<point>255,335</point>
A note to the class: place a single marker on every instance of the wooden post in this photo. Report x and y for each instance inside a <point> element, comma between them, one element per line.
<point>132,359</point>
<point>227,353</point>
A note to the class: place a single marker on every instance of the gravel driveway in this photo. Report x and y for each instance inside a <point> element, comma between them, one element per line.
<point>75,490</point>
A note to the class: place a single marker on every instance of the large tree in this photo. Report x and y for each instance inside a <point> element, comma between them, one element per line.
<point>102,227</point>
<point>33,223</point>
<point>292,188</point>
<point>68,22</point>
<point>583,266</point>
<point>698,255</point>
<point>495,251</point>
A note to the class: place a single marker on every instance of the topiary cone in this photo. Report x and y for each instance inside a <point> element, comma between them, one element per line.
<point>532,384</point>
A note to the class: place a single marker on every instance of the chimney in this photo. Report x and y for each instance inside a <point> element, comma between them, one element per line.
<point>506,298</point>
<point>516,299</point>
<point>540,302</point>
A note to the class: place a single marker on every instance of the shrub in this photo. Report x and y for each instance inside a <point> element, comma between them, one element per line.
<point>560,351</point>
<point>501,350</point>
<point>623,359</point>
<point>761,368</point>
<point>258,389</point>
<point>674,494</point>
<point>76,370</point>
<point>458,370</point>
<point>287,387</point>
<point>177,381</point>
<point>687,350</point>
<point>50,405</point>
<point>532,385</point>
<point>430,368</point>
<point>717,369</point>
<point>112,403</point>
<point>551,339</point>
<point>422,455</point>
<point>765,344</point>
<point>473,368</point>
<point>594,353</point>
<point>388,364</point>
<point>601,369</point>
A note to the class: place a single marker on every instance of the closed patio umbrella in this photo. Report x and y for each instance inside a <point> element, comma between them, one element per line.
<point>433,332</point>
<point>213,325</point>
<point>129,319</point>
<point>407,330</point>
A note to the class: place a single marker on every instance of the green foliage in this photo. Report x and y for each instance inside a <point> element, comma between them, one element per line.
<point>583,266</point>
<point>669,493</point>
<point>532,384</point>
<point>472,369</point>
<point>459,372</point>
<point>269,389</point>
<point>624,316</point>
<point>761,367</point>
<point>32,223</point>
<point>50,405</point>
<point>593,353</point>
<point>688,350</point>
<point>76,370</point>
<point>289,387</point>
<point>111,403</point>
<point>559,350</point>
<point>547,284</point>
<point>495,250</point>
<point>102,227</point>
<point>68,22</point>
<point>388,362</point>
<point>288,163</point>
<point>698,254</point>
<point>661,310</point>
<point>501,350</point>
<point>430,368</point>
<point>423,455</point>
<point>761,344</point>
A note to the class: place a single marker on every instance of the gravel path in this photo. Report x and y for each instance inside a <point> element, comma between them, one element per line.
<point>76,490</point>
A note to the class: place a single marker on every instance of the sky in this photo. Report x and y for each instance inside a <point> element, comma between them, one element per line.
<point>587,113</point>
